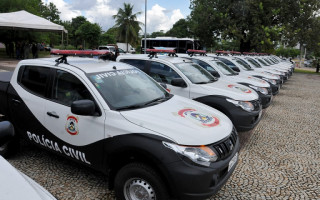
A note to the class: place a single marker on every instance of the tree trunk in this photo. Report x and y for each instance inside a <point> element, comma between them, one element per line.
<point>127,40</point>
<point>245,46</point>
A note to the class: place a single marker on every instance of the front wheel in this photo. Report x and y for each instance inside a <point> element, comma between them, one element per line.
<point>137,181</point>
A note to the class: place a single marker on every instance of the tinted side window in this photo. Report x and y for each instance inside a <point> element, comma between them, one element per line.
<point>141,64</point>
<point>35,79</point>
<point>204,65</point>
<point>68,88</point>
<point>162,73</point>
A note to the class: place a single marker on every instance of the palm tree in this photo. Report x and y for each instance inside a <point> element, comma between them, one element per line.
<point>127,24</point>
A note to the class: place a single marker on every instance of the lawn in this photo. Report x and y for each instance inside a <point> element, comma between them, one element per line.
<point>297,70</point>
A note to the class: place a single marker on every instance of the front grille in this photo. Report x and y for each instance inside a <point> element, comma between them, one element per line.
<point>225,147</point>
<point>269,90</point>
<point>256,105</point>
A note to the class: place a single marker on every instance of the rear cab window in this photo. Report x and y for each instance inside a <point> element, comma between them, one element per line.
<point>140,64</point>
<point>162,73</point>
<point>34,79</point>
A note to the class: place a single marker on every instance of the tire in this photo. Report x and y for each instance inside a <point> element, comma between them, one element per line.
<point>137,181</point>
<point>8,134</point>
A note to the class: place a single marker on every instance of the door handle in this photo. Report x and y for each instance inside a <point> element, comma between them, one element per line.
<point>16,101</point>
<point>53,114</point>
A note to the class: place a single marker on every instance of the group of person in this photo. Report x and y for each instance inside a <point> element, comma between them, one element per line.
<point>21,50</point>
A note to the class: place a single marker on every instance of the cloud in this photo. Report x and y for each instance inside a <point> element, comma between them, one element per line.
<point>101,12</point>
<point>83,4</point>
<point>159,18</point>
<point>67,13</point>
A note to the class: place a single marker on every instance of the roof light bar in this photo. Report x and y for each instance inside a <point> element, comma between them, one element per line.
<point>80,52</point>
<point>192,52</point>
<point>161,51</point>
<point>235,52</point>
<point>153,52</point>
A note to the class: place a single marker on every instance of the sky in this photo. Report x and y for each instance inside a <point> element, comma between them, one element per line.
<point>161,14</point>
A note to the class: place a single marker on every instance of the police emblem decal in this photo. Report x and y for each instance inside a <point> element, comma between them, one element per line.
<point>72,125</point>
<point>202,119</point>
<point>240,88</point>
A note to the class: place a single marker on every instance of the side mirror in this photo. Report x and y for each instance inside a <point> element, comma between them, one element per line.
<point>234,68</point>
<point>83,107</point>
<point>215,74</point>
<point>178,82</point>
<point>6,132</point>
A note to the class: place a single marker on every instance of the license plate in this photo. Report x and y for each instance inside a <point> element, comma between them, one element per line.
<point>233,161</point>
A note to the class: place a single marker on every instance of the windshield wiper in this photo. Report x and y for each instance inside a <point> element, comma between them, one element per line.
<point>130,107</point>
<point>160,99</point>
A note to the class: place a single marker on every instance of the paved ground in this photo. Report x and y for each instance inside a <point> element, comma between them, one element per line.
<point>280,160</point>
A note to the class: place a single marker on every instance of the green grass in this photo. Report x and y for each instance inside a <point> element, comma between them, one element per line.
<point>296,70</point>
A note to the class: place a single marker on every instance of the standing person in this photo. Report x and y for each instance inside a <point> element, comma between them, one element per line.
<point>116,53</point>
<point>34,50</point>
<point>11,50</point>
<point>22,50</point>
<point>26,50</point>
<point>18,50</point>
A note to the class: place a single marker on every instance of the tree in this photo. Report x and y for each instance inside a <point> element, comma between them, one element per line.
<point>181,29</point>
<point>257,25</point>
<point>253,23</point>
<point>157,34</point>
<point>127,24</point>
<point>302,24</point>
<point>32,6</point>
<point>51,13</point>
<point>75,24</point>
<point>89,33</point>
<point>109,37</point>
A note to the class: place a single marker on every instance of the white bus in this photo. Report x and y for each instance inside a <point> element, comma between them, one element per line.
<point>181,45</point>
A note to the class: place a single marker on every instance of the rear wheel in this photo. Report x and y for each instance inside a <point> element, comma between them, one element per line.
<point>10,142</point>
<point>137,181</point>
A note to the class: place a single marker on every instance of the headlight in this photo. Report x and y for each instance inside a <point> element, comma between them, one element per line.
<point>245,105</point>
<point>201,155</point>
<point>272,81</point>
<point>259,89</point>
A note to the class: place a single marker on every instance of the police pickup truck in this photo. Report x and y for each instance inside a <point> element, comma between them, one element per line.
<point>114,118</point>
<point>185,78</point>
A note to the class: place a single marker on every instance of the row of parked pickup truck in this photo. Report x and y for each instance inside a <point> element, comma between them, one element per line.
<point>159,126</point>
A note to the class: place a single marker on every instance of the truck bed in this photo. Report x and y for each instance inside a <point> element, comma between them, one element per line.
<point>5,78</point>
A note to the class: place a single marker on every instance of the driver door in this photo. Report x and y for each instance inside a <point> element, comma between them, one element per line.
<point>77,136</point>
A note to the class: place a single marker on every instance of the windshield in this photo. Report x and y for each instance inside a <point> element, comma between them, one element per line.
<point>195,73</point>
<point>267,61</point>
<point>253,62</point>
<point>262,62</point>
<point>244,65</point>
<point>227,62</point>
<point>224,68</point>
<point>126,89</point>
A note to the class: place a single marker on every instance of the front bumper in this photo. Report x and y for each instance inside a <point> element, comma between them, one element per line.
<point>192,182</point>
<point>265,100</point>
<point>245,121</point>
<point>275,88</point>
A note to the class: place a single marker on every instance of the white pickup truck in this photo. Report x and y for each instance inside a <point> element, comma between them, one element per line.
<point>114,118</point>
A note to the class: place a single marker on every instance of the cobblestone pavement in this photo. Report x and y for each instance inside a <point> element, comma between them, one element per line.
<point>279,161</point>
